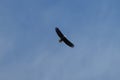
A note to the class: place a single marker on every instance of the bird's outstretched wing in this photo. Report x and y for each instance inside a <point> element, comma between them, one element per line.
<point>68,42</point>
<point>59,32</point>
<point>63,38</point>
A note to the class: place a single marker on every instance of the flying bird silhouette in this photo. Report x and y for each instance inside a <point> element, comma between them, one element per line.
<point>63,38</point>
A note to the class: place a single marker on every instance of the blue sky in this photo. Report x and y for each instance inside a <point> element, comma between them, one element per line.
<point>29,47</point>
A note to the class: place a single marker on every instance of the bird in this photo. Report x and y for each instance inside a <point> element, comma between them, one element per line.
<point>63,38</point>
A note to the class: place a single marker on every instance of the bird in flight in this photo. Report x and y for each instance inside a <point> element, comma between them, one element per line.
<point>63,38</point>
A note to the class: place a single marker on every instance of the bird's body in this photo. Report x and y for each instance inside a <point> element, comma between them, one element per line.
<point>63,38</point>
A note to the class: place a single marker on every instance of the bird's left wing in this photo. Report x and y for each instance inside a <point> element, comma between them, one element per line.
<point>59,32</point>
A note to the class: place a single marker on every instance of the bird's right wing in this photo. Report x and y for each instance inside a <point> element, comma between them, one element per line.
<point>68,42</point>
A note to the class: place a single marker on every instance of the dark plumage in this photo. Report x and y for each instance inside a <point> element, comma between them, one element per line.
<point>63,38</point>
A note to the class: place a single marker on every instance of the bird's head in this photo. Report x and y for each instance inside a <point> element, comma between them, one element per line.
<point>60,40</point>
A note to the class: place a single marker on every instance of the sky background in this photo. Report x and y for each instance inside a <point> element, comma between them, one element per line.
<point>29,47</point>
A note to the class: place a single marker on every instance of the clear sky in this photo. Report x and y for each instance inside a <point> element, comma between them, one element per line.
<point>29,47</point>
